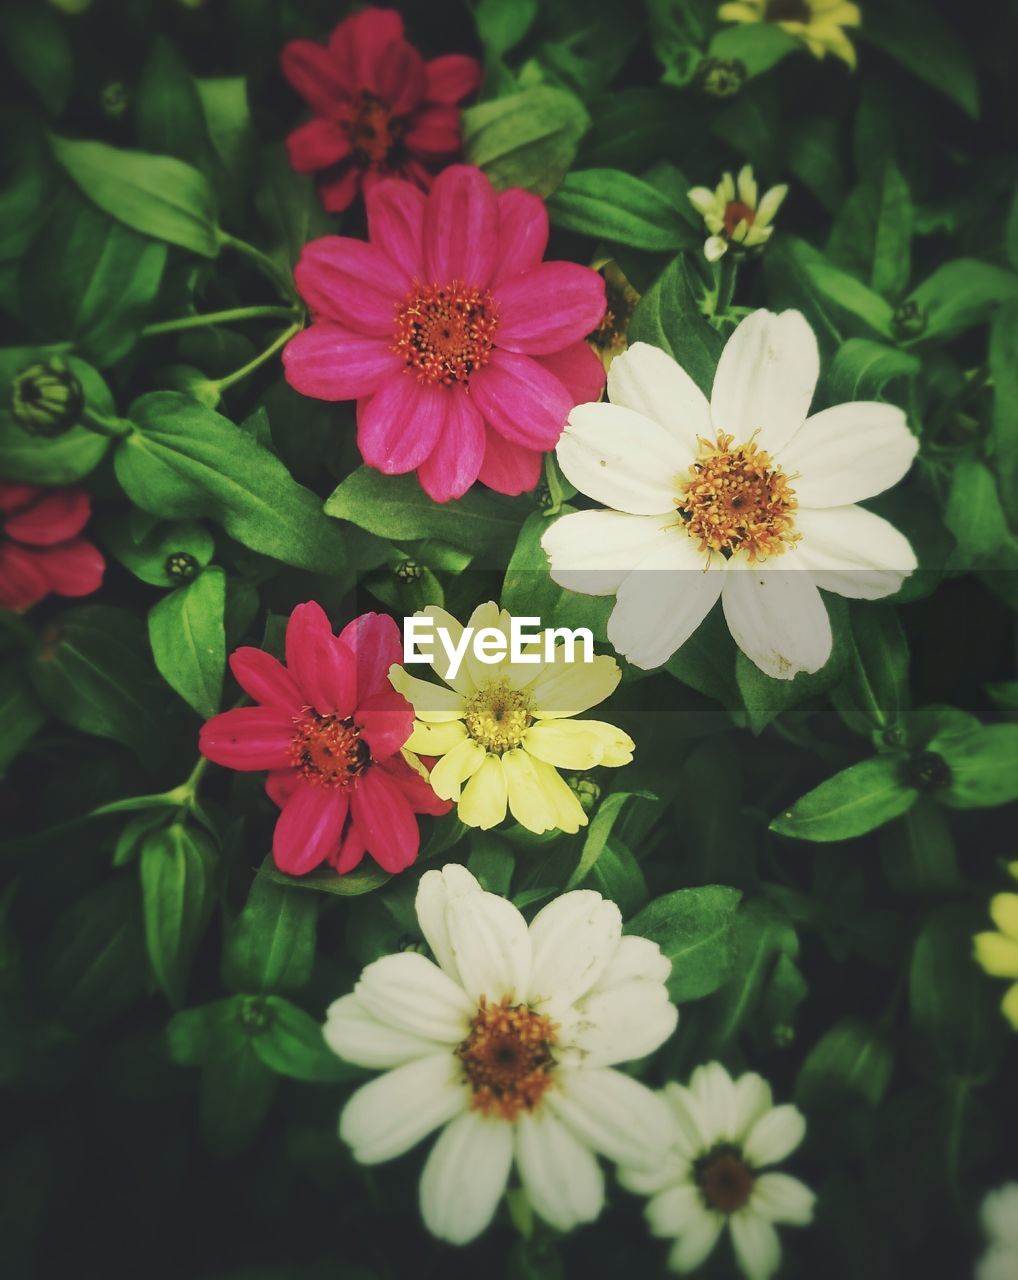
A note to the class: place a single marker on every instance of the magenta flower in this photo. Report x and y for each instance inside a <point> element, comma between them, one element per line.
<point>463,349</point>
<point>380,109</point>
<point>40,550</point>
<point>329,728</point>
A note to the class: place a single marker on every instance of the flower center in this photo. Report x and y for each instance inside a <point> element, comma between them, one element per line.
<point>445,332</point>
<point>735,213</point>
<point>788,11</point>
<point>372,131</point>
<point>329,750</point>
<point>498,716</point>
<point>610,334</point>
<point>507,1058</point>
<point>725,1179</point>
<point>737,500</point>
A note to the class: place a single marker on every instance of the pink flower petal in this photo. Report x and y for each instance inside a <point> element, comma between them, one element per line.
<point>281,784</point>
<point>522,232</point>
<point>22,579</point>
<point>265,679</point>
<point>579,370</point>
<point>352,282</point>
<point>374,643</point>
<point>544,310</point>
<point>329,362</point>
<point>507,467</point>
<point>316,145</point>
<point>385,821</point>
<point>13,497</point>
<point>461,227</point>
<point>401,77</point>
<point>319,664</point>
<point>521,399</point>
<point>452,77</point>
<point>351,852</point>
<point>74,568</point>
<point>417,790</point>
<point>396,222</point>
<point>359,42</point>
<point>455,462</point>
<point>315,74</point>
<point>248,738</point>
<point>400,424</point>
<point>386,721</point>
<point>56,516</point>
<point>309,829</point>
<point>434,131</point>
<point>340,192</point>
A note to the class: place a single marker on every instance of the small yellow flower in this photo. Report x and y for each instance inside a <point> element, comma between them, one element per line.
<point>735,214</point>
<point>817,23</point>
<point>504,729</point>
<point>997,953</point>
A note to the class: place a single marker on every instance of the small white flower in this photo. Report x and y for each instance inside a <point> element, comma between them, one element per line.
<point>744,498</point>
<point>999,1215</point>
<point>734,213</point>
<point>507,1044</point>
<point>728,1131</point>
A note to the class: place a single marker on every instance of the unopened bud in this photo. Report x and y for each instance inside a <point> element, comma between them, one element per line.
<point>586,790</point>
<point>46,399</point>
<point>720,77</point>
<point>181,566</point>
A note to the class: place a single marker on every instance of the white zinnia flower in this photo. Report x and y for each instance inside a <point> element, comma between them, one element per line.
<point>507,1043</point>
<point>999,1215</point>
<point>744,498</point>
<point>728,1130</point>
<point>735,214</point>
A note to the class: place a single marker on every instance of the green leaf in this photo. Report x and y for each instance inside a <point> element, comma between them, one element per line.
<point>599,830</point>
<point>271,946</point>
<point>501,26</point>
<point>917,851</point>
<point>974,513</point>
<point>611,205</point>
<point>236,1091</point>
<point>194,1036</point>
<point>397,507</point>
<point>960,295</point>
<point>292,1045</point>
<point>855,302</point>
<point>527,139</point>
<point>61,459</point>
<point>288,205</point>
<point>36,42</point>
<point>679,34</point>
<point>915,36</point>
<point>983,764</point>
<point>185,630</point>
<point>851,1062</point>
<point>228,123</point>
<point>492,861</point>
<point>168,111</point>
<point>20,713</point>
<point>365,879</point>
<point>813,154</point>
<point>619,877</point>
<point>669,316</point>
<point>150,558</point>
<point>861,369</point>
<point>630,129</point>
<point>90,280</point>
<point>175,867</point>
<point>857,800</point>
<point>1004,426</point>
<point>186,460</point>
<point>693,928</point>
<point>892,247</point>
<point>874,693</point>
<point>157,195</point>
<point>757,45</point>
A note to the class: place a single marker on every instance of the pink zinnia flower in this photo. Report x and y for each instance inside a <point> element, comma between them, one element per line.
<point>463,349</point>
<point>380,109</point>
<point>329,728</point>
<point>40,551</point>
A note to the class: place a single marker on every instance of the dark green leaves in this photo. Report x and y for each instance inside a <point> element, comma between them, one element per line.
<point>612,205</point>
<point>271,946</point>
<point>669,316</point>
<point>852,1062</point>
<point>983,764</point>
<point>188,641</point>
<point>962,294</point>
<point>527,139</point>
<point>917,38</point>
<point>693,927</point>
<point>176,864</point>
<point>850,803</point>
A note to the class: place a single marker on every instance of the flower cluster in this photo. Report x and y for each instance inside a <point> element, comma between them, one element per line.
<point>42,551</point>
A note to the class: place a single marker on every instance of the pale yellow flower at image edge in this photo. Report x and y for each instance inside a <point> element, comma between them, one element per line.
<point>817,23</point>
<point>997,953</point>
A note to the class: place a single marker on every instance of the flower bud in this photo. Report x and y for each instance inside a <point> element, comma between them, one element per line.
<point>46,399</point>
<point>181,566</point>
<point>909,321</point>
<point>928,771</point>
<point>720,77</point>
<point>586,790</point>
<point>116,98</point>
<point>408,571</point>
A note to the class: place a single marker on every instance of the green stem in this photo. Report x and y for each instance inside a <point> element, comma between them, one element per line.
<point>103,425</point>
<point>270,269</point>
<point>221,384</point>
<point>726,271</point>
<point>217,317</point>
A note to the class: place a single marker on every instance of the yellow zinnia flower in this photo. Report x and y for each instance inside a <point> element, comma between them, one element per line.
<point>735,213</point>
<point>817,23</point>
<point>504,729</point>
<point>998,952</point>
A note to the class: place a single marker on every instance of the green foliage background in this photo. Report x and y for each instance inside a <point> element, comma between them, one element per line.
<point>814,855</point>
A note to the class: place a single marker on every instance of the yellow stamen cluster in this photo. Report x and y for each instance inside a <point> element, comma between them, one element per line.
<point>507,1058</point>
<point>445,332</point>
<point>497,716</point>
<point>737,500</point>
<point>328,750</point>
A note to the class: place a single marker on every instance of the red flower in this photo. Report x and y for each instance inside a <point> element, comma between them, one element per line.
<point>463,349</point>
<point>329,727</point>
<point>380,109</point>
<point>40,551</point>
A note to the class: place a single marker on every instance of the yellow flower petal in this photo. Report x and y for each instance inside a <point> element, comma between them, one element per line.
<point>565,689</point>
<point>431,702</point>
<point>440,663</point>
<point>435,739</point>
<point>618,746</point>
<point>1009,1006</point>
<point>483,802</point>
<point>566,744</point>
<point>538,798</point>
<point>461,763</point>
<point>1004,910</point>
<point>997,955</point>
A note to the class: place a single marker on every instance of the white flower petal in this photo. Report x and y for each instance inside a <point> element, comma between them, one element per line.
<point>491,946</point>
<point>671,1171</point>
<point>770,204</point>
<point>702,199</point>
<point>661,604</point>
<point>756,1244</point>
<point>696,1242</point>
<point>592,551</point>
<point>620,1025</point>
<point>783,1199</point>
<point>696,1135</point>
<point>634,958</point>
<point>622,459</point>
<point>648,381</point>
<point>750,1099</point>
<point>776,617</point>
<point>392,1113</point>
<point>409,992</point>
<point>561,1177</point>
<point>573,939</point>
<point>614,1114</point>
<point>746,186</point>
<point>852,552</point>
<point>434,893</point>
<point>848,453</point>
<point>465,1175</point>
<point>765,379</point>
<point>356,1036</point>
<point>998,1263</point>
<point>777,1133</point>
<point>712,1092</point>
<point>675,1210</point>
<point>715,248</point>
<point>999,1215</point>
